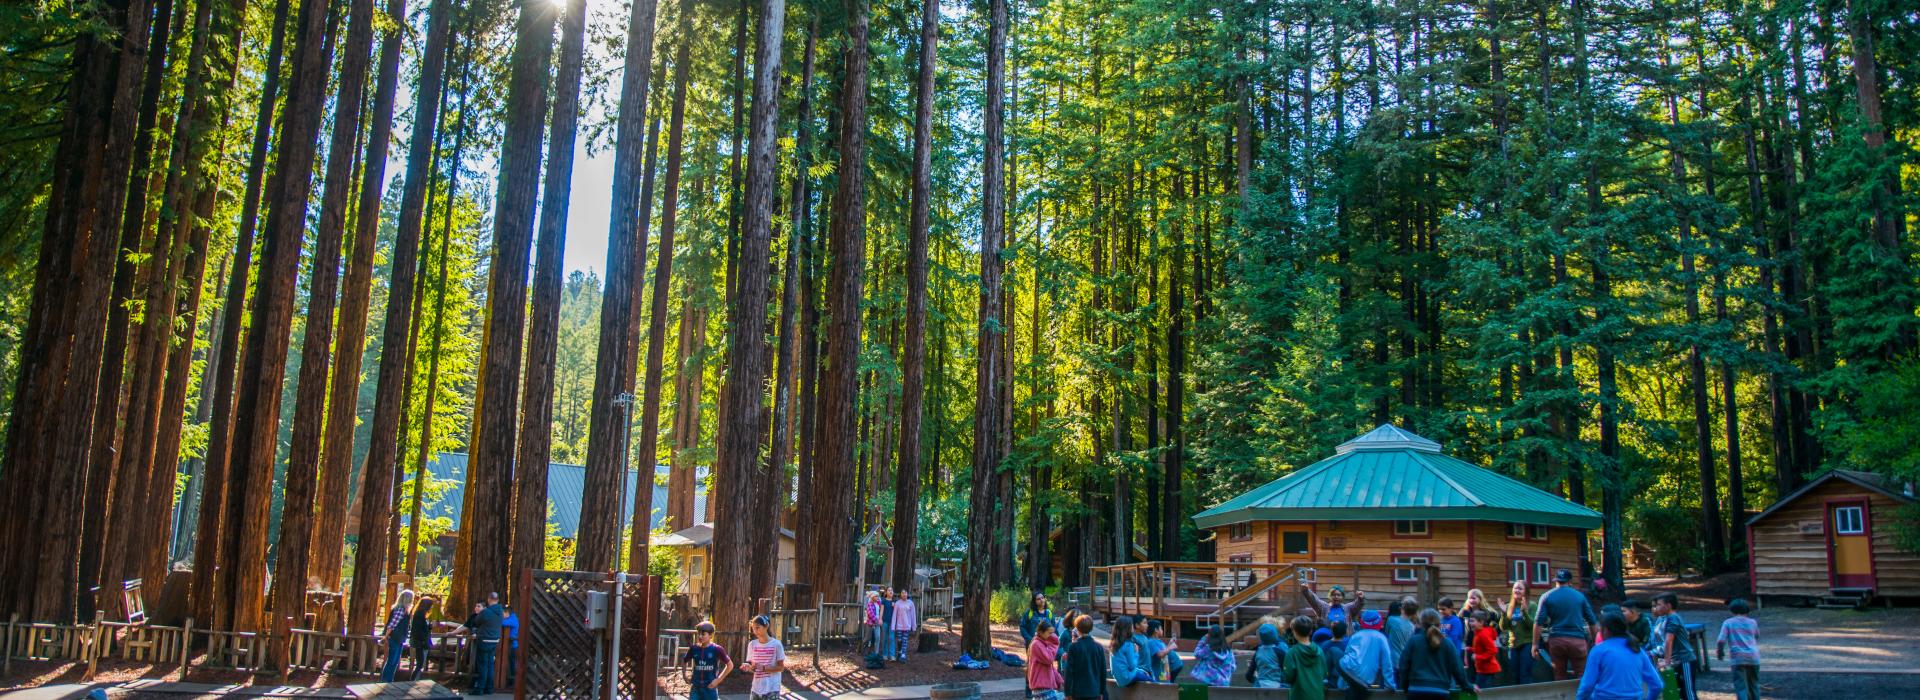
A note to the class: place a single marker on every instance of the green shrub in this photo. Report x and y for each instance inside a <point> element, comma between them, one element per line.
<point>1007,605</point>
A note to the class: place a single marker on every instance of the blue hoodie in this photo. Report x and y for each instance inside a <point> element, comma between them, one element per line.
<point>1616,672</point>
<point>1269,661</point>
<point>1130,663</point>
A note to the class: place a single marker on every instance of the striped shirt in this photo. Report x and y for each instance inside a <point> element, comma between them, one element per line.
<point>1741,634</point>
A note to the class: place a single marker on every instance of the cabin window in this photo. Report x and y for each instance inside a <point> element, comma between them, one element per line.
<point>1534,533</point>
<point>696,564</point>
<point>1411,528</point>
<point>1533,571</point>
<point>1849,520</point>
<point>1295,542</point>
<point>1241,532</point>
<point>1410,575</point>
<point>1241,559</point>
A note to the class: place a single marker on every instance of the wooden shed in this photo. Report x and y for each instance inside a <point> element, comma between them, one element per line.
<point>1833,541</point>
<point>1391,496</point>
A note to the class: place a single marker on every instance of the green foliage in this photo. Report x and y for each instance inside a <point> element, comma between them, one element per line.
<point>1007,605</point>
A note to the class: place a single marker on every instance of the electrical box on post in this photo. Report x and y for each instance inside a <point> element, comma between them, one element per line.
<point>596,610</point>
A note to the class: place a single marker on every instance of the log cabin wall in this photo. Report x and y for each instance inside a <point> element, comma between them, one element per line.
<point>1789,545</point>
<point>1470,554</point>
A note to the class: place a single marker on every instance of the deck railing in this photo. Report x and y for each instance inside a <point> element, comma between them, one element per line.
<point>1157,589</point>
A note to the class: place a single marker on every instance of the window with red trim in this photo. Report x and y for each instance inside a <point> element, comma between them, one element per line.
<point>1240,532</point>
<point>1410,576</point>
<point>1532,570</point>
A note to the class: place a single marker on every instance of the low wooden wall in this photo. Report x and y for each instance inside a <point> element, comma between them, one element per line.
<point>1557,690</point>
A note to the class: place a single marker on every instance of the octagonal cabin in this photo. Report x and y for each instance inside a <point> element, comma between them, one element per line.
<point>1392,497</point>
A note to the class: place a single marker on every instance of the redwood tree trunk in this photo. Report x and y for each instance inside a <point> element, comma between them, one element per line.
<point>913,386</point>
<point>679,508</point>
<point>59,370</point>
<point>983,519</point>
<point>487,525</point>
<point>536,419</point>
<point>336,463</point>
<point>832,519</point>
<point>208,591</point>
<point>257,413</point>
<point>396,372</point>
<point>316,349</point>
<point>619,327</point>
<point>743,418</point>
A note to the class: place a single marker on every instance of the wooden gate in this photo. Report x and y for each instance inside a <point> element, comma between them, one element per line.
<point>560,657</point>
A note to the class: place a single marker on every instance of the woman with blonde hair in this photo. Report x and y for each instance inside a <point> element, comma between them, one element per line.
<point>395,633</point>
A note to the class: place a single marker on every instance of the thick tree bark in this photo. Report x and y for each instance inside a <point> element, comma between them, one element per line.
<point>208,591</point>
<point>832,524</point>
<point>774,495</point>
<point>619,326</point>
<point>396,372</point>
<point>125,422</point>
<point>257,412</point>
<point>743,417</point>
<point>680,482</point>
<point>913,386</point>
<point>336,464</point>
<point>58,371</point>
<point>487,526</point>
<point>316,350</point>
<point>120,417</point>
<point>536,418</point>
<point>983,518</point>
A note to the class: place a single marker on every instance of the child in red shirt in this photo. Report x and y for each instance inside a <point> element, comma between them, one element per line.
<point>1484,649</point>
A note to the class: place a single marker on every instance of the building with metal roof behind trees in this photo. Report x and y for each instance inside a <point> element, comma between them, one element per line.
<point>1388,514</point>
<point>1392,496</point>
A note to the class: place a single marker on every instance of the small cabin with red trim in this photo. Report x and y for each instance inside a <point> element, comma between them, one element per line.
<point>1391,496</point>
<point>1833,538</point>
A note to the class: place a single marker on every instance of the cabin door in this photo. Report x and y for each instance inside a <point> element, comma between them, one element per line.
<point>1291,543</point>
<point>1849,544</point>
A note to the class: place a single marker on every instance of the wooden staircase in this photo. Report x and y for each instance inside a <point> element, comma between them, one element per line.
<point>1229,611</point>
<point>1846,599</point>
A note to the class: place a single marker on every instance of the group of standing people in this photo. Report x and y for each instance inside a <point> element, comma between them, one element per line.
<point>1338,645</point>
<point>891,618</point>
<point>409,627</point>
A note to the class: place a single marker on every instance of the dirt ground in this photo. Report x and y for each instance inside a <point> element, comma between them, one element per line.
<point>1804,652</point>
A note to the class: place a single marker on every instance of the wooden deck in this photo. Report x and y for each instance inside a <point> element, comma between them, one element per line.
<point>1234,593</point>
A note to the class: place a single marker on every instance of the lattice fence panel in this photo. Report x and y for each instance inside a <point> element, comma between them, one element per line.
<point>639,637</point>
<point>558,650</point>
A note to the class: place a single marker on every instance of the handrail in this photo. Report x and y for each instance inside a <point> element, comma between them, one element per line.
<point>1232,604</point>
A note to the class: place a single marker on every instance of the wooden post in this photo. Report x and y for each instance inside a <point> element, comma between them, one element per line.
<point>6,646</point>
<point>92,650</point>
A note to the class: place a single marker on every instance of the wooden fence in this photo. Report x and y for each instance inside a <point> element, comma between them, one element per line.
<point>151,644</point>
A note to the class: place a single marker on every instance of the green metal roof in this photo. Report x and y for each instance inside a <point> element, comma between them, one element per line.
<point>1393,474</point>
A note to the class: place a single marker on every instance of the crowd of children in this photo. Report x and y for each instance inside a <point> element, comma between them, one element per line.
<point>1632,651</point>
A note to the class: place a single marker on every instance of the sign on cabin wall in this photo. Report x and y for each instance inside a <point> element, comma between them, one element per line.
<point>1333,543</point>
<point>1812,527</point>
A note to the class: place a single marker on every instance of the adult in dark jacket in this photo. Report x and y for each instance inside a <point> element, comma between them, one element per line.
<point>1085,668</point>
<point>1430,666</point>
<point>420,632</point>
